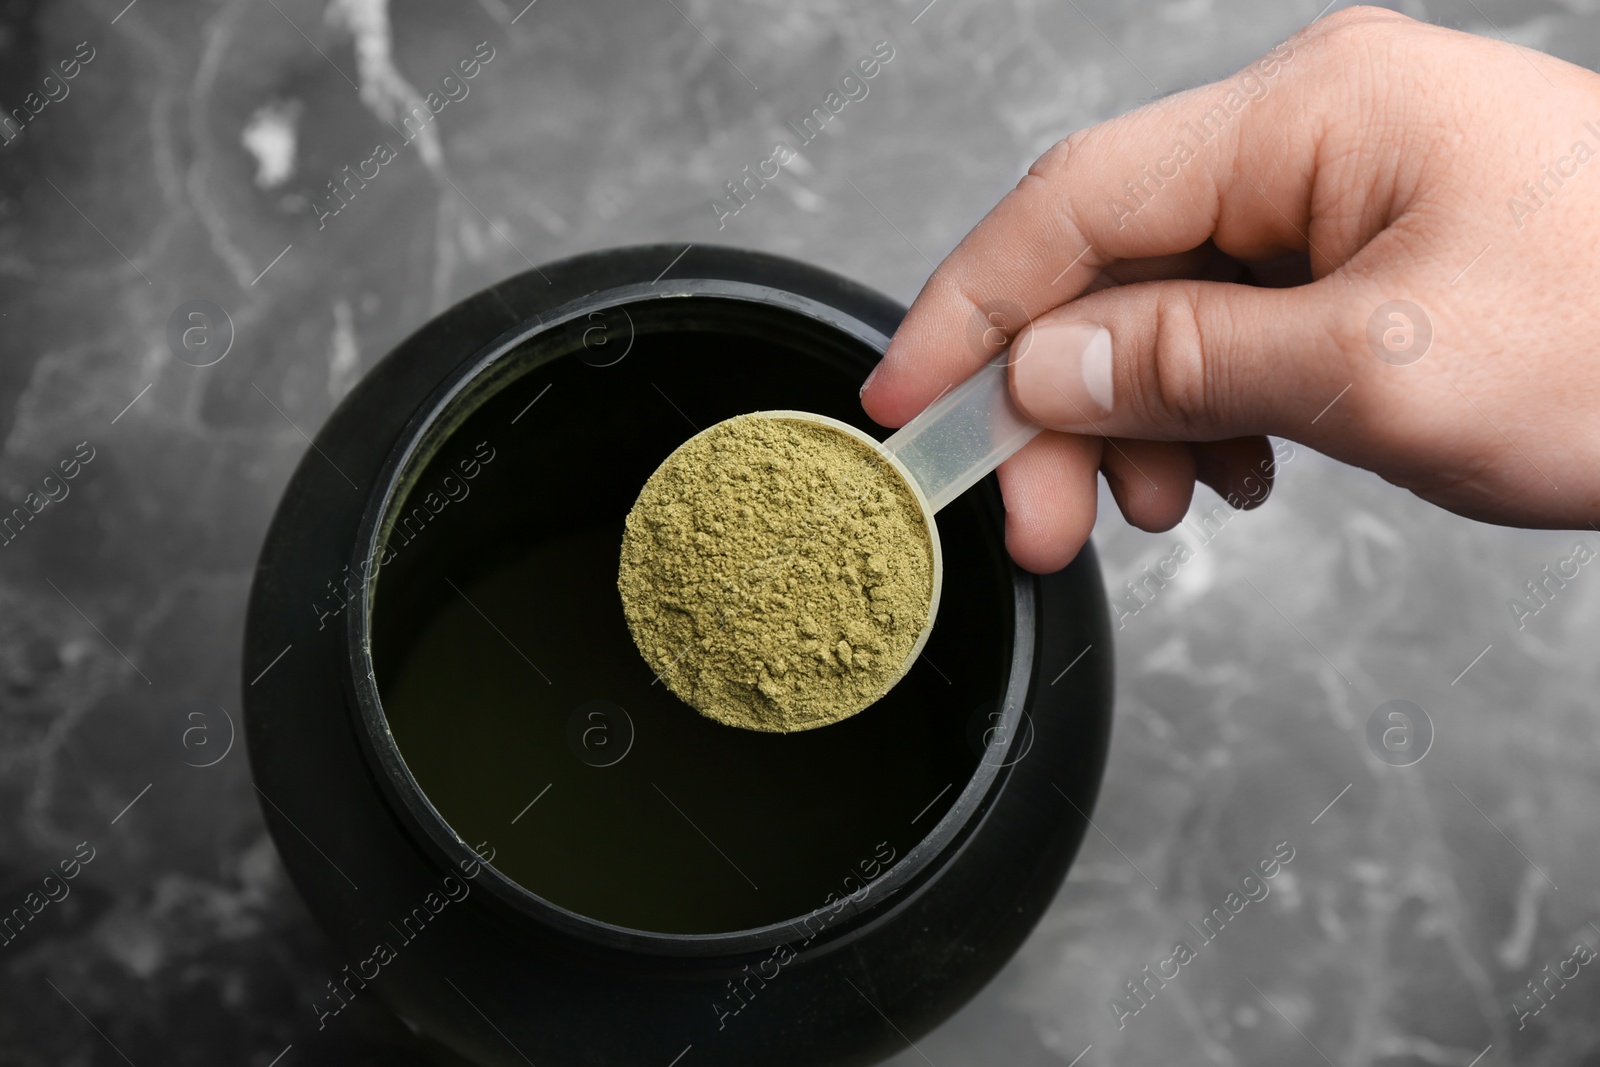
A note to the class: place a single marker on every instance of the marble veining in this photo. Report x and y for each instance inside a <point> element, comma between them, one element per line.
<point>194,159</point>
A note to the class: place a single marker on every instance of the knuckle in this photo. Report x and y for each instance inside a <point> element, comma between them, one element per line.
<point>1180,389</point>
<point>1352,28</point>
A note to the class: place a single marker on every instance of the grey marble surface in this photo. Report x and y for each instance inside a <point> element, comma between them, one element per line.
<point>188,161</point>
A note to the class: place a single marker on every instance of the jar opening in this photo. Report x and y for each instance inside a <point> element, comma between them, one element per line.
<point>522,713</point>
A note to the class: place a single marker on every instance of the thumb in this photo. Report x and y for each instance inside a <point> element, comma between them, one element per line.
<point>1184,361</point>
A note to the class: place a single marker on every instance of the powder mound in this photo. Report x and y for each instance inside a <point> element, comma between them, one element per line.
<point>776,574</point>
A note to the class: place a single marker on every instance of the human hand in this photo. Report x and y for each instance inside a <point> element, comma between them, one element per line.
<point>1246,285</point>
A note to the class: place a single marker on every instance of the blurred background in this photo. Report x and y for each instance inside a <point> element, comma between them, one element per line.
<point>189,159</point>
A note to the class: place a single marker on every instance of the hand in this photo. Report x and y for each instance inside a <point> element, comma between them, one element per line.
<point>1225,263</point>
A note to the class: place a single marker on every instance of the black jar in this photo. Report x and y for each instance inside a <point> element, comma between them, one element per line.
<point>523,845</point>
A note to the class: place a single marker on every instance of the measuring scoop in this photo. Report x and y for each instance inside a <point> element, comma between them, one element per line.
<point>946,450</point>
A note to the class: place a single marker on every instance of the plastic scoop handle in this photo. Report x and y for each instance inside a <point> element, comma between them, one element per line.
<point>963,435</point>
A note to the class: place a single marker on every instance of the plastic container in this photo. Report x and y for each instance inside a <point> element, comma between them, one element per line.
<point>660,885</point>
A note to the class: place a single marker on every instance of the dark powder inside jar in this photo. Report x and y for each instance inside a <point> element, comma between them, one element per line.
<point>776,574</point>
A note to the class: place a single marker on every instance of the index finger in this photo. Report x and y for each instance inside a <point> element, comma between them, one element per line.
<point>1232,161</point>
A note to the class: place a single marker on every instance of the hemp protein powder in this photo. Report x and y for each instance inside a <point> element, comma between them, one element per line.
<point>776,574</point>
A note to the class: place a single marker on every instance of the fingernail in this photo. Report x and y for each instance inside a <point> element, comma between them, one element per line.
<point>870,376</point>
<point>1063,377</point>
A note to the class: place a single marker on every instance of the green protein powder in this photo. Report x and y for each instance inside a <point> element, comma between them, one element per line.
<point>776,574</point>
